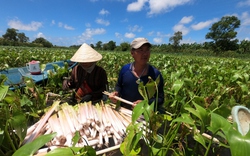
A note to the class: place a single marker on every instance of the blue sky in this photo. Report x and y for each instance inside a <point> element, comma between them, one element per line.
<point>73,22</point>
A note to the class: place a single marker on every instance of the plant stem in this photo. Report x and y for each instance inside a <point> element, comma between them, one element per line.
<point>209,145</point>
<point>8,136</point>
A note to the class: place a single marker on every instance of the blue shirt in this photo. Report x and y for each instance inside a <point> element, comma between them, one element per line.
<point>128,88</point>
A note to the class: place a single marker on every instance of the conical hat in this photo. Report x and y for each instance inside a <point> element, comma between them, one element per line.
<point>86,54</point>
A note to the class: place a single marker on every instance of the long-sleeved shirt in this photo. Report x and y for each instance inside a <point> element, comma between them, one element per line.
<point>96,80</point>
<point>128,88</point>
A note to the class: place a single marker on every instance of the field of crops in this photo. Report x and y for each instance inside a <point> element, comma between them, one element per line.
<point>199,95</point>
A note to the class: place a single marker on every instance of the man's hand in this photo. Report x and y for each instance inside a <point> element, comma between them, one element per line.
<point>136,102</point>
<point>112,95</point>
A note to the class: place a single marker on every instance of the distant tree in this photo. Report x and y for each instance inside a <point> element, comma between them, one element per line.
<point>223,33</point>
<point>99,45</point>
<point>92,46</point>
<point>125,46</point>
<point>43,41</point>
<point>244,47</point>
<point>22,38</point>
<point>176,39</point>
<point>105,46</point>
<point>111,45</point>
<point>11,35</point>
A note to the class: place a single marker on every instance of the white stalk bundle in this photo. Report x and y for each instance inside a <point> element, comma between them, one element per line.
<point>99,125</point>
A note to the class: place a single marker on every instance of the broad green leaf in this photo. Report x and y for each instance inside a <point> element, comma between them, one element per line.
<point>200,112</point>
<point>151,88</point>
<point>72,151</point>
<point>185,118</point>
<point>218,122</point>
<point>19,124</point>
<point>3,91</point>
<point>30,148</point>
<point>235,77</point>
<point>239,144</point>
<point>25,101</point>
<point>199,138</point>
<point>142,91</point>
<point>130,142</point>
<point>76,138</point>
<point>177,86</point>
<point>157,149</point>
<point>138,110</point>
<point>149,110</point>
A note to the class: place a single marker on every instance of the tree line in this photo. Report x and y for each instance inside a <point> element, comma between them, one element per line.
<point>222,35</point>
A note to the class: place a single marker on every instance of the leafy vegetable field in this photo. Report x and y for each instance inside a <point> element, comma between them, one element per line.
<point>199,95</point>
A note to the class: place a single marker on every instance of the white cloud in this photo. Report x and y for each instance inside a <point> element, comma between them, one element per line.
<point>158,40</point>
<point>118,35</point>
<point>89,33</point>
<point>202,25</point>
<point>162,35</point>
<point>17,24</point>
<point>65,26</point>
<point>104,12</point>
<point>136,6</point>
<point>103,22</point>
<point>182,28</point>
<point>129,35</point>
<point>245,18</point>
<point>244,3</point>
<point>135,28</point>
<point>150,33</point>
<point>40,34</point>
<point>247,38</point>
<point>160,6</point>
<point>186,19</point>
<point>68,27</point>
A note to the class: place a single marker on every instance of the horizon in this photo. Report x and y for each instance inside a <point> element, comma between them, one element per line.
<point>67,23</point>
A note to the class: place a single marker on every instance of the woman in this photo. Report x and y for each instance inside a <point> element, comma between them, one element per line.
<point>88,79</point>
<point>138,71</point>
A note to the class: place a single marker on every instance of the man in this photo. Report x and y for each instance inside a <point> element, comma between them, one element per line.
<point>88,79</point>
<point>138,71</point>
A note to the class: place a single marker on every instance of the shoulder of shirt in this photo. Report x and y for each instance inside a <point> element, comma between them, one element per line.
<point>125,68</point>
<point>100,68</point>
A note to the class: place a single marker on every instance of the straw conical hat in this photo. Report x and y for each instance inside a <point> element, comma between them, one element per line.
<point>86,54</point>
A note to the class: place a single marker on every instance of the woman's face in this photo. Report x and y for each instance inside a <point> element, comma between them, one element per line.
<point>142,54</point>
<point>87,65</point>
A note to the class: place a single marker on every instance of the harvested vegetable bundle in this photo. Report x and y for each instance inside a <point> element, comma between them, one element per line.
<point>98,125</point>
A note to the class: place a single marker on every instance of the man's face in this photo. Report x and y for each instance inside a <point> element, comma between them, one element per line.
<point>142,54</point>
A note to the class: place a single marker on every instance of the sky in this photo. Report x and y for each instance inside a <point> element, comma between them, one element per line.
<point>74,22</point>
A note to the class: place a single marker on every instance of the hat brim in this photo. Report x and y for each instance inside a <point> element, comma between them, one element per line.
<point>86,54</point>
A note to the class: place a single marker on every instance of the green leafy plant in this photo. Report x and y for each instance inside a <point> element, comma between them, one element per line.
<point>144,135</point>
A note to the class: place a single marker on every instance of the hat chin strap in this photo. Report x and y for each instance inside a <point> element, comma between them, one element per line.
<point>89,69</point>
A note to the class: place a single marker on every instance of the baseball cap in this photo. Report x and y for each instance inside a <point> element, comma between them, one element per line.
<point>138,42</point>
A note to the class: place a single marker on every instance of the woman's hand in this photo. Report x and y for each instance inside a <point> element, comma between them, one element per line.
<point>66,84</point>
